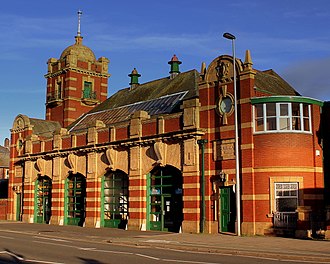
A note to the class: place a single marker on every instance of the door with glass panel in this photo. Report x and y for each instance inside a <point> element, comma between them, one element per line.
<point>75,199</point>
<point>43,200</point>
<point>115,200</point>
<point>165,199</point>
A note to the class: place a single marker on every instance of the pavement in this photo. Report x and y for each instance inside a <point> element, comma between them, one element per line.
<point>278,248</point>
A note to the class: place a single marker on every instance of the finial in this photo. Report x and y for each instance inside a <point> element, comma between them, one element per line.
<point>248,61</point>
<point>203,69</point>
<point>79,17</point>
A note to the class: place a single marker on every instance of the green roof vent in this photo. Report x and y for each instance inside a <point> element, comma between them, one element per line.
<point>175,69</point>
<point>134,78</point>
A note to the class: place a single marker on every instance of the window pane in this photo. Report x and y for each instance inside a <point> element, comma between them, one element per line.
<point>295,109</point>
<point>306,124</point>
<point>284,110</point>
<point>87,85</point>
<point>285,123</point>
<point>305,110</point>
<point>271,123</point>
<point>296,123</point>
<point>259,110</point>
<point>271,109</point>
<point>259,124</point>
<point>286,204</point>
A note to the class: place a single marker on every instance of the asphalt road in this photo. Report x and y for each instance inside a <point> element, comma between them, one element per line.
<point>18,246</point>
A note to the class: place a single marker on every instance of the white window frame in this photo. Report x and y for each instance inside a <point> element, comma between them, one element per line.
<point>296,189</point>
<point>279,117</point>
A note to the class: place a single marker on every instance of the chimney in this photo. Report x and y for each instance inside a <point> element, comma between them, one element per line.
<point>6,143</point>
<point>175,69</point>
<point>134,79</point>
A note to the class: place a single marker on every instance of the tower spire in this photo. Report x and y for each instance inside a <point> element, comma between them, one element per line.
<point>79,19</point>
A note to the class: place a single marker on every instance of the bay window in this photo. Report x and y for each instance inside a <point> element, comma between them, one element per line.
<point>282,117</point>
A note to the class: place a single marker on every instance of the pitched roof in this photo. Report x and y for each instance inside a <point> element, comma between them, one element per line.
<point>155,97</point>
<point>44,128</point>
<point>4,157</point>
<point>187,81</point>
<point>163,105</point>
<point>270,82</point>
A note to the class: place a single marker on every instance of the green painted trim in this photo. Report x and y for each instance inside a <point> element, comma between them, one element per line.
<point>18,206</point>
<point>293,99</point>
<point>102,201</point>
<point>36,183</point>
<point>148,202</point>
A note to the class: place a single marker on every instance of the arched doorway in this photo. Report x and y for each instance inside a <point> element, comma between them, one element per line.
<point>115,199</point>
<point>75,202</point>
<point>43,199</point>
<point>164,201</point>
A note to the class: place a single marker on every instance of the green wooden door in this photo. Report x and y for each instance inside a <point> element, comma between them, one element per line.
<point>225,209</point>
<point>115,200</point>
<point>159,194</point>
<point>43,200</point>
<point>18,206</point>
<point>76,200</point>
<point>164,208</point>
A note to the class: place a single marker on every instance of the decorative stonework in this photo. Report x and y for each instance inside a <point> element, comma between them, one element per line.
<point>222,70</point>
<point>224,149</point>
<point>40,164</point>
<point>111,155</point>
<point>72,162</point>
<point>18,171</point>
<point>190,152</point>
<point>160,151</point>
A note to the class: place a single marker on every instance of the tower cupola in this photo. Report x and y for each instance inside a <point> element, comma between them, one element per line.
<point>76,82</point>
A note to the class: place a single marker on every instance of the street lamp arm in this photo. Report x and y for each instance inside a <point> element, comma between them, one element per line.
<point>229,36</point>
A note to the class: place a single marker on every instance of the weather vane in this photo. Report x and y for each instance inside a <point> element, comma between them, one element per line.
<point>79,17</point>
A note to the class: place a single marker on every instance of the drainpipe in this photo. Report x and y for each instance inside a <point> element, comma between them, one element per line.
<point>201,143</point>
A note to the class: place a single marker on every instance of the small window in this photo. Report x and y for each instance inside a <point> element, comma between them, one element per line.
<point>286,196</point>
<point>87,90</point>
<point>58,92</point>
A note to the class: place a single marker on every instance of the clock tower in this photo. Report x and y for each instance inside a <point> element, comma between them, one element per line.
<point>76,82</point>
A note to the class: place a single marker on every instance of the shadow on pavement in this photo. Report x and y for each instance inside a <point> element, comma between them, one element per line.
<point>90,261</point>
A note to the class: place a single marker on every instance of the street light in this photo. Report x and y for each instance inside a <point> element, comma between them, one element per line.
<point>238,193</point>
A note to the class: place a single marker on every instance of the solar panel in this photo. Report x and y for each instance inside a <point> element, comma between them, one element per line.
<point>161,105</point>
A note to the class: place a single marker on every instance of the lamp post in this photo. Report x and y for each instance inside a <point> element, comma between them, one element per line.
<point>238,193</point>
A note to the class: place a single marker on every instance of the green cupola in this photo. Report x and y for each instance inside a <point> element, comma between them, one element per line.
<point>134,78</point>
<point>175,68</point>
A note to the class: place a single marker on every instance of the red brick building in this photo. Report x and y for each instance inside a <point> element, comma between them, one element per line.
<point>161,156</point>
<point>4,160</point>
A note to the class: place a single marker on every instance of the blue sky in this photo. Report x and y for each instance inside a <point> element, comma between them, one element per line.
<point>290,36</point>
